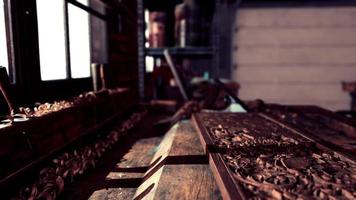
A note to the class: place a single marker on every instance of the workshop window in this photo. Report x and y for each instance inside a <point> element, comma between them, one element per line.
<point>64,41</point>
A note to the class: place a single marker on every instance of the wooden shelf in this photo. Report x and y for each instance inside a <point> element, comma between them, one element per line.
<point>22,144</point>
<point>181,51</point>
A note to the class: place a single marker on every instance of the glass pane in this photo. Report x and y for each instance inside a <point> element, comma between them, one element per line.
<point>51,35</point>
<point>79,41</point>
<point>3,47</point>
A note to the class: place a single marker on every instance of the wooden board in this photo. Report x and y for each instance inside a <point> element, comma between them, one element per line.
<point>187,182</point>
<point>179,170</point>
<point>229,188</point>
<point>333,131</point>
<point>132,166</point>
<point>252,156</point>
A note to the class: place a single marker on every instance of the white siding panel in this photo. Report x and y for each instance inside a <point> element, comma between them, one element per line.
<point>335,106</point>
<point>296,37</point>
<point>297,17</point>
<point>296,55</point>
<point>291,92</point>
<point>296,74</point>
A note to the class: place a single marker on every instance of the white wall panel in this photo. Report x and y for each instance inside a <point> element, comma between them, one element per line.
<point>295,55</point>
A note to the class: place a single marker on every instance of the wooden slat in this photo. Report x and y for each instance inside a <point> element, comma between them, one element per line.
<point>297,17</point>
<point>228,188</point>
<point>187,182</point>
<point>154,173</point>
<point>179,169</point>
<point>131,166</point>
<point>324,126</point>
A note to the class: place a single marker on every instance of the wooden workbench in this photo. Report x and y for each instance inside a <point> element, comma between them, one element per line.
<point>179,169</point>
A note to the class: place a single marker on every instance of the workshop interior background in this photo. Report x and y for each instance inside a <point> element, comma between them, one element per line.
<point>76,76</point>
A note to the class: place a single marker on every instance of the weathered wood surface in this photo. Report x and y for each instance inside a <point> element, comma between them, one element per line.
<point>254,157</point>
<point>187,182</point>
<point>148,187</point>
<point>126,175</point>
<point>132,166</point>
<point>323,126</point>
<point>182,171</point>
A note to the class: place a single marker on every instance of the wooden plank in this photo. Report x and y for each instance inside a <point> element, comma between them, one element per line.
<point>295,74</point>
<point>228,188</point>
<point>113,194</point>
<point>139,156</point>
<point>296,17</point>
<point>132,166</point>
<point>180,169</point>
<point>275,37</point>
<point>251,149</point>
<point>148,187</point>
<point>325,127</point>
<point>187,182</point>
<point>296,55</point>
<point>186,141</point>
<point>316,111</point>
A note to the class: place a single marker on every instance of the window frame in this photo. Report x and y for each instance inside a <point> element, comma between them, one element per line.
<point>67,38</point>
<point>9,41</point>
<point>23,54</point>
